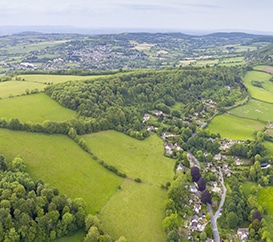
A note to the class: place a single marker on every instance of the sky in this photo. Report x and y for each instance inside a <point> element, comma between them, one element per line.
<point>199,15</point>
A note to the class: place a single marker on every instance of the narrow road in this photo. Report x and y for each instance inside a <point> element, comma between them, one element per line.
<point>216,236</point>
<point>217,214</point>
<point>193,161</point>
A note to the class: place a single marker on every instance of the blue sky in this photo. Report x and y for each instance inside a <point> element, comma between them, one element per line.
<point>143,14</point>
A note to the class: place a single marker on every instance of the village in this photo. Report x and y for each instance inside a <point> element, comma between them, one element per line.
<point>220,166</point>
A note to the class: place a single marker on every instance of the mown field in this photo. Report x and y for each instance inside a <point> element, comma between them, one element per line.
<point>234,128</point>
<point>138,207</point>
<point>15,88</point>
<point>55,78</point>
<point>255,110</point>
<point>34,108</point>
<point>138,159</point>
<point>136,212</point>
<point>265,199</point>
<point>59,161</point>
<point>263,93</point>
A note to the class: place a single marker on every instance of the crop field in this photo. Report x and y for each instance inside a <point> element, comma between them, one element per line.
<point>233,127</point>
<point>265,199</point>
<point>56,78</point>
<point>255,110</point>
<point>15,88</point>
<point>136,212</point>
<point>59,161</point>
<point>138,159</point>
<point>34,108</point>
<point>263,93</point>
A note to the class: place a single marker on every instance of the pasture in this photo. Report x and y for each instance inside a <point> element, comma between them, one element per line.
<point>59,161</point>
<point>136,212</point>
<point>269,146</point>
<point>263,93</point>
<point>265,199</point>
<point>34,108</point>
<point>233,127</point>
<point>138,159</point>
<point>43,79</point>
<point>254,110</point>
<point>15,88</point>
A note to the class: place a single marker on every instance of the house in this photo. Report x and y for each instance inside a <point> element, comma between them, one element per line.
<point>150,128</point>
<point>218,157</point>
<point>243,234</point>
<point>180,167</point>
<point>158,113</point>
<point>197,207</point>
<point>168,148</point>
<point>146,117</point>
<point>193,189</point>
<point>265,166</point>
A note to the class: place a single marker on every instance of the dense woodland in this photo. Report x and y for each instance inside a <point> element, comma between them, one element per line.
<point>120,102</point>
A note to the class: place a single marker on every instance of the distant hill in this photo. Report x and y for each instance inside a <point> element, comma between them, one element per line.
<point>261,56</point>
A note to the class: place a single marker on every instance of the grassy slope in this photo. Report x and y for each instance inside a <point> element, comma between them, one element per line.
<point>55,78</point>
<point>255,110</point>
<point>34,108</point>
<point>59,161</point>
<point>136,212</point>
<point>265,198</point>
<point>263,94</point>
<point>234,128</point>
<point>138,159</point>
<point>14,88</point>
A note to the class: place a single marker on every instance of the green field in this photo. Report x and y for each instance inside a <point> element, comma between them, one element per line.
<point>255,110</point>
<point>59,161</point>
<point>15,88</point>
<point>234,128</point>
<point>136,212</point>
<point>260,68</point>
<point>55,78</point>
<point>34,108</point>
<point>265,198</point>
<point>269,146</point>
<point>263,93</point>
<point>137,208</point>
<point>138,159</point>
<point>77,237</point>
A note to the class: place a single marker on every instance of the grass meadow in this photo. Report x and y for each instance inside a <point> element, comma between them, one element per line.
<point>269,146</point>
<point>233,127</point>
<point>15,88</point>
<point>136,212</point>
<point>138,159</point>
<point>56,78</point>
<point>77,237</point>
<point>263,93</point>
<point>59,161</point>
<point>265,198</point>
<point>34,108</point>
<point>255,110</point>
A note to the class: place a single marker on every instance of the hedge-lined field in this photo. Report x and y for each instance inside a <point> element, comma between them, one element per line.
<point>15,88</point>
<point>234,128</point>
<point>59,161</point>
<point>55,78</point>
<point>263,93</point>
<point>255,110</point>
<point>138,159</point>
<point>34,108</point>
<point>135,211</point>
